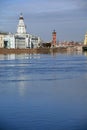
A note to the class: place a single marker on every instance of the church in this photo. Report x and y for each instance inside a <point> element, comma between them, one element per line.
<point>21,39</point>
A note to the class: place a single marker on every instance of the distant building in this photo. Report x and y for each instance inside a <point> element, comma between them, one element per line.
<point>21,29</point>
<point>85,40</point>
<point>21,35</point>
<point>23,39</point>
<point>9,41</point>
<point>54,38</point>
<point>2,36</point>
<point>34,42</point>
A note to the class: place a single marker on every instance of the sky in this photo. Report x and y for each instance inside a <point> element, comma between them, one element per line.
<point>41,17</point>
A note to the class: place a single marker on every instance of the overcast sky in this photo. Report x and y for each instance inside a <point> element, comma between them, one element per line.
<point>67,17</point>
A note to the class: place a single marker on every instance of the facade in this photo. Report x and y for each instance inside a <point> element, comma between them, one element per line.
<point>54,38</point>
<point>34,42</point>
<point>21,35</point>
<point>85,40</point>
<point>2,36</point>
<point>21,39</point>
<point>9,41</point>
<point>20,42</point>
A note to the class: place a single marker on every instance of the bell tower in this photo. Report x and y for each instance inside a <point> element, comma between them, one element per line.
<point>21,29</point>
<point>54,38</point>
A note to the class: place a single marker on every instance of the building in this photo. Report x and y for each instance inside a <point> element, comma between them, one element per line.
<point>2,36</point>
<point>21,42</point>
<point>85,40</point>
<point>54,38</point>
<point>23,39</point>
<point>21,29</point>
<point>21,35</point>
<point>34,41</point>
<point>9,41</point>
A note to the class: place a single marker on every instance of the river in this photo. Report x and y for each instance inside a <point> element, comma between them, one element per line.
<point>43,91</point>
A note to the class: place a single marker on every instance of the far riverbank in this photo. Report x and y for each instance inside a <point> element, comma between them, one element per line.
<point>44,50</point>
<point>34,50</point>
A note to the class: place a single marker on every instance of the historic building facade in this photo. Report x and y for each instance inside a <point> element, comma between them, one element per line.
<point>9,41</point>
<point>21,39</point>
<point>21,35</point>
<point>2,36</point>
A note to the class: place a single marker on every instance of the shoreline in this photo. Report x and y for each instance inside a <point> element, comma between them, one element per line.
<point>34,50</point>
<point>43,50</point>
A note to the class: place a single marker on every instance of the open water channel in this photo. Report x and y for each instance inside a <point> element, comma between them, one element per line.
<point>43,92</point>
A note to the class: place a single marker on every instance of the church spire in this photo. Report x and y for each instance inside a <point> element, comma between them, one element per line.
<point>21,16</point>
<point>21,29</point>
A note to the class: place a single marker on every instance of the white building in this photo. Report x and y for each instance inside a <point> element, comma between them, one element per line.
<point>2,36</point>
<point>23,39</point>
<point>21,35</point>
<point>9,41</point>
<point>34,42</point>
<point>21,29</point>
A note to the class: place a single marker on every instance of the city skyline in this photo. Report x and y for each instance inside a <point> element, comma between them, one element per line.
<point>67,17</point>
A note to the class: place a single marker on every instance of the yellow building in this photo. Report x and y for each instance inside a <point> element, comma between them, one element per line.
<point>2,36</point>
<point>85,40</point>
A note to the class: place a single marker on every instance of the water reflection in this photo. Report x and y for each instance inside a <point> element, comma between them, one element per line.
<point>85,53</point>
<point>37,56</point>
<point>19,56</point>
